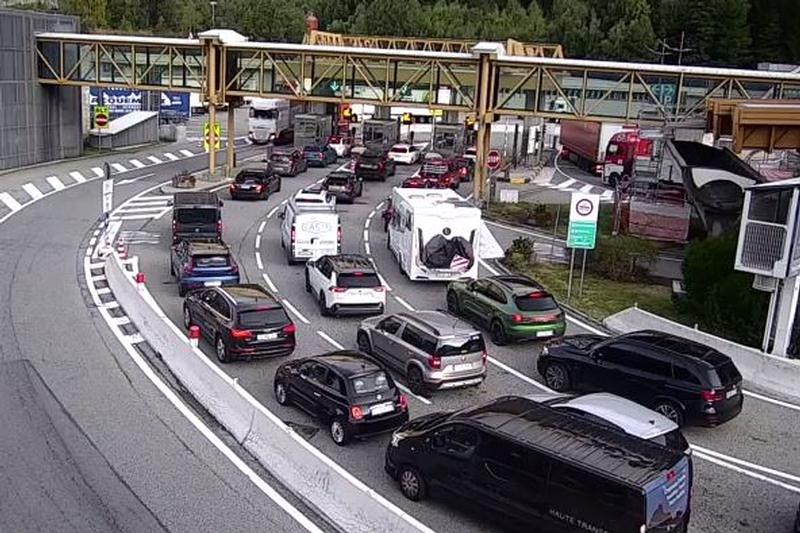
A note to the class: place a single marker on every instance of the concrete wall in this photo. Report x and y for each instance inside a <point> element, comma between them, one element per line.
<point>37,123</point>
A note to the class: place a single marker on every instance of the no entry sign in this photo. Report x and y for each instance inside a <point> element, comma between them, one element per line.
<point>493,159</point>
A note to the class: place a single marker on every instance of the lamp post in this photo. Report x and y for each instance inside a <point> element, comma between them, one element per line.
<point>213,13</point>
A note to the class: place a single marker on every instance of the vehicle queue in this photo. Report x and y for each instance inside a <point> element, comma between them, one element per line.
<point>542,459</point>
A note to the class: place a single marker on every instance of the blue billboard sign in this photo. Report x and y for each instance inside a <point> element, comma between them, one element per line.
<point>119,101</point>
<point>174,105</point>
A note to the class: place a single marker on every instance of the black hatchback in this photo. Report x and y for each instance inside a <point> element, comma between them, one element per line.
<point>240,321</point>
<point>345,186</point>
<point>685,381</point>
<point>350,392</point>
<point>255,184</point>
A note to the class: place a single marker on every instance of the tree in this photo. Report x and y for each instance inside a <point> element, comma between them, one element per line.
<point>92,12</point>
<point>626,25</point>
<point>576,26</point>
<point>276,20</point>
<point>387,17</point>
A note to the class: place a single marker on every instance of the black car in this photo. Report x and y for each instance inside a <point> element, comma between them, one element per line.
<point>683,380</point>
<point>256,184</point>
<point>797,521</point>
<point>345,186</point>
<point>352,393</point>
<point>196,216</point>
<point>241,321</point>
<point>374,164</point>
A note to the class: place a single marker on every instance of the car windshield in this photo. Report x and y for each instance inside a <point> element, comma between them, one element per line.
<point>673,440</point>
<point>251,177</point>
<point>368,383</point>
<point>283,158</point>
<point>460,346</point>
<point>372,159</point>
<point>536,301</point>
<point>196,215</point>
<point>263,318</point>
<point>210,261</point>
<point>356,280</point>
<point>313,149</point>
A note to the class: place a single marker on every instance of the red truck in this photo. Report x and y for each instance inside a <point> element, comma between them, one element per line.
<point>604,149</point>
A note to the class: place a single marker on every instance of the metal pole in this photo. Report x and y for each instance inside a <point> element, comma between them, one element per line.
<point>583,273</point>
<point>211,94</point>
<point>231,136</point>
<point>555,229</point>
<point>571,270</point>
<point>773,302</point>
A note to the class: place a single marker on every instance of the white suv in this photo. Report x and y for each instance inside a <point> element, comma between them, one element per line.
<point>345,284</point>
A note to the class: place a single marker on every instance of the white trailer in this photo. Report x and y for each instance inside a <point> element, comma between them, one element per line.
<point>434,234</point>
<point>270,119</point>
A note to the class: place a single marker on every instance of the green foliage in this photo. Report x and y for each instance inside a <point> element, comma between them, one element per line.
<point>540,215</point>
<point>521,253</point>
<point>622,257</point>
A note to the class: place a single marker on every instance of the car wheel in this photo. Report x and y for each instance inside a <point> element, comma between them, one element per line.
<point>340,431</point>
<point>416,382</point>
<point>281,393</point>
<point>171,268</point>
<point>556,376</point>
<point>324,310</point>
<point>412,484</point>
<point>670,410</point>
<point>187,317</point>
<point>278,188</point>
<point>452,303</point>
<point>363,343</point>
<point>498,333</point>
<point>308,283</point>
<point>221,350</point>
<point>181,290</point>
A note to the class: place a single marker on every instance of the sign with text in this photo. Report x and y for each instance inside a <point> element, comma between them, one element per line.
<point>174,105</point>
<point>101,116</point>
<point>118,101</point>
<point>583,211</point>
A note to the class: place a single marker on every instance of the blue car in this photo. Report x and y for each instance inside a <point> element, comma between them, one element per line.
<point>202,264</point>
<point>319,155</point>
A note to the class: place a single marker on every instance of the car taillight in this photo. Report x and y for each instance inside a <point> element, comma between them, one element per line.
<point>339,234</point>
<point>378,288</point>
<point>234,268</point>
<point>294,234</point>
<point>356,412</point>
<point>517,318</point>
<point>671,475</point>
<point>259,187</point>
<point>713,395</point>
<point>241,334</point>
<point>232,187</point>
<point>484,357</point>
<point>189,267</point>
<point>289,329</point>
<point>435,362</point>
<point>338,289</point>
<point>219,227</point>
<point>402,402</point>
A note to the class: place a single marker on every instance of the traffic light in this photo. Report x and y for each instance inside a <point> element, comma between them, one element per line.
<point>407,118</point>
<point>347,113</point>
<point>469,122</point>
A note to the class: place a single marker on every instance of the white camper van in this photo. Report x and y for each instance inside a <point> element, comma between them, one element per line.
<point>434,234</point>
<point>310,226</point>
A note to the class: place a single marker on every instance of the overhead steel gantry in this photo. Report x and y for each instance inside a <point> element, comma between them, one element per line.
<point>485,82</point>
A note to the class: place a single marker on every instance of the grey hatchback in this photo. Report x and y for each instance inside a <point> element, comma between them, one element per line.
<point>432,349</point>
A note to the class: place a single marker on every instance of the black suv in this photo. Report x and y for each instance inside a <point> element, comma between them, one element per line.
<point>683,380</point>
<point>196,216</point>
<point>241,321</point>
<point>375,164</point>
<point>255,183</point>
<point>352,393</point>
<point>345,186</point>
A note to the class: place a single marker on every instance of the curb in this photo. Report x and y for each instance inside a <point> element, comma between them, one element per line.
<point>201,186</point>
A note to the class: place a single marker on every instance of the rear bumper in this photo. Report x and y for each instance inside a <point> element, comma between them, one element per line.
<point>284,171</point>
<point>535,331</point>
<point>249,194</point>
<point>197,282</point>
<point>344,196</point>
<point>457,382</point>
<point>371,174</point>
<point>316,163</point>
<point>196,236</point>
<point>709,415</point>
<point>357,309</point>
<point>381,425</point>
<point>277,348</point>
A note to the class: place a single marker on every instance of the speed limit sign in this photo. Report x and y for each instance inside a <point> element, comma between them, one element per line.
<point>493,159</point>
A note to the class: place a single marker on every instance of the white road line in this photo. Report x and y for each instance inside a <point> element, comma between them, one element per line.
<point>118,167</point>
<point>519,374</point>
<point>404,303</point>
<point>55,183</point>
<point>134,217</point>
<point>261,226</point>
<point>330,340</point>
<point>565,184</point>
<point>32,191</point>
<point>294,310</point>
<point>98,172</point>
<point>77,176</point>
<point>408,392</point>
<point>754,475</point>
<point>259,263</point>
<point>121,320</point>
<point>607,195</point>
<point>383,281</point>
<point>272,286</point>
<point>772,400</point>
<point>379,206</point>
<point>170,156</point>
<point>272,211</point>
<point>143,202</point>
<point>366,248</point>
<point>10,201</point>
<point>366,235</point>
<point>741,462</point>
<point>92,241</point>
<point>187,153</point>
<point>488,267</point>
<point>162,213</point>
<point>149,197</point>
<point>154,159</point>
<point>134,180</point>
<point>586,189</point>
<point>112,304</point>
<point>136,163</point>
<point>258,242</point>
<point>366,226</point>
<point>104,290</point>
<point>580,323</point>
<point>144,209</point>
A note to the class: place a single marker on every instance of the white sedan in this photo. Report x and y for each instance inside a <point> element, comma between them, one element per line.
<point>405,154</point>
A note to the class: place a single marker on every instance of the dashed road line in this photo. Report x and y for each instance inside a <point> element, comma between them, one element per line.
<point>272,211</point>
<point>258,241</point>
<point>187,153</point>
<point>55,183</point>
<point>404,303</point>
<point>10,202</point>
<point>488,267</point>
<point>136,163</point>
<point>259,263</point>
<point>154,159</point>
<point>98,172</point>
<point>171,156</point>
<point>32,191</point>
<point>118,167</point>
<point>261,226</point>
<point>294,310</point>
<point>77,176</point>
<point>330,340</point>
<point>268,281</point>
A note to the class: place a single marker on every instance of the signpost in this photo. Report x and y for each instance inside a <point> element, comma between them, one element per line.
<point>494,159</point>
<point>107,203</point>
<point>581,231</point>
<point>207,136</point>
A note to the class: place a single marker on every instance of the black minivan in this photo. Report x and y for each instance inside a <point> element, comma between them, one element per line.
<point>531,466</point>
<point>196,216</point>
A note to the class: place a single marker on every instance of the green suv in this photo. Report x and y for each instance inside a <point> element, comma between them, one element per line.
<point>512,307</point>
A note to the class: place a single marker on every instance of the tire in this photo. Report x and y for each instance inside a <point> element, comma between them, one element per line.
<point>340,431</point>
<point>308,282</point>
<point>282,393</point>
<point>171,268</point>
<point>324,310</point>
<point>181,291</point>
<point>556,376</point>
<point>498,333</point>
<point>412,484</point>
<point>670,410</point>
<point>187,317</point>
<point>362,340</point>
<point>452,303</point>
<point>221,350</point>
<point>416,383</point>
<point>278,189</point>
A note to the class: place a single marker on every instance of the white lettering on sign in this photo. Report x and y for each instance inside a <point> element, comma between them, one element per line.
<point>316,227</point>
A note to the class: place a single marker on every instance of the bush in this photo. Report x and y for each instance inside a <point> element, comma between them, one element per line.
<point>521,253</point>
<point>621,258</point>
<point>524,213</point>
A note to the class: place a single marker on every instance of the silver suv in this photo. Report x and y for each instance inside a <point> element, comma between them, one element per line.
<point>432,349</point>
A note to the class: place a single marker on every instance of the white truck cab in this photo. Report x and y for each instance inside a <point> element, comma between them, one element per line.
<point>310,226</point>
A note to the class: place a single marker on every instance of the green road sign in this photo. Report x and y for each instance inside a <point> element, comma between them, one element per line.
<point>335,86</point>
<point>581,235</point>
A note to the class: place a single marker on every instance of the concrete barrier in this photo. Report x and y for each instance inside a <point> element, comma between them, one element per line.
<point>760,369</point>
<point>322,484</point>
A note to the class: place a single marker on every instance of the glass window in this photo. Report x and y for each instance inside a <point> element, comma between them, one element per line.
<point>419,339</point>
<point>197,215</point>
<point>356,280</point>
<point>684,374</point>
<point>649,365</point>
<point>370,383</point>
<point>725,374</point>
<point>456,439</point>
<point>219,305</point>
<point>210,261</point>
<point>460,345</point>
<point>771,206</point>
<point>315,372</point>
<point>538,301</point>
<point>263,318</point>
<point>496,294</point>
<point>251,177</point>
<point>615,354</point>
<point>390,325</point>
<point>334,382</point>
<point>673,440</point>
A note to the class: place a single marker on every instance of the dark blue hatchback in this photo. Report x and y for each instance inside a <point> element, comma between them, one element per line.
<point>320,155</point>
<point>202,264</point>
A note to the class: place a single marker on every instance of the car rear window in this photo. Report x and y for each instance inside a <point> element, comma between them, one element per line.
<point>283,158</point>
<point>211,261</point>
<point>368,383</point>
<point>312,149</point>
<point>338,181</point>
<point>399,150</point>
<point>356,280</point>
<point>196,216</point>
<point>536,301</point>
<point>333,139</point>
<point>250,178</point>
<point>673,440</point>
<point>724,375</point>
<point>263,318</point>
<point>460,346</point>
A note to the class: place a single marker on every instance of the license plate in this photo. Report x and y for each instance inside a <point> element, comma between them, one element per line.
<point>731,393</point>
<point>548,333</point>
<point>463,366</point>
<point>212,283</point>
<point>381,409</point>
<point>267,336</point>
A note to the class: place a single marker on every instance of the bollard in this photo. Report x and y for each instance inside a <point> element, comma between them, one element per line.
<point>122,250</point>
<point>140,279</point>
<point>194,336</point>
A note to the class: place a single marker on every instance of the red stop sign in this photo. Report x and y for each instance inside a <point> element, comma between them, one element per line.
<point>100,120</point>
<point>494,159</point>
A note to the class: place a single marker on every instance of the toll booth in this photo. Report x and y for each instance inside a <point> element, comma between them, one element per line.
<point>311,128</point>
<point>449,138</point>
<point>379,132</point>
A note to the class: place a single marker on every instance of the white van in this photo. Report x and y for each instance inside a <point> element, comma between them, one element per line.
<point>434,234</point>
<point>310,227</point>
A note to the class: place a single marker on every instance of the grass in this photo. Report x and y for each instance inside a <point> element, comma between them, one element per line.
<point>522,213</point>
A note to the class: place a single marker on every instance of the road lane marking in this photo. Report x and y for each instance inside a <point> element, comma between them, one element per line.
<point>366,248</point>
<point>259,263</point>
<point>118,167</point>
<point>747,464</point>
<point>272,286</point>
<point>144,209</point>
<point>294,310</point>
<point>519,375</point>
<point>55,183</point>
<point>187,153</point>
<point>366,235</point>
<point>77,176</point>
<point>32,191</point>
<point>134,180</point>
<point>488,267</point>
<point>404,303</point>
<point>748,473</point>
<point>261,226</point>
<point>171,156</point>
<point>272,211</point>
<point>98,172</point>
<point>258,242</point>
<point>154,159</point>
<point>10,202</point>
<point>330,340</point>
<point>767,399</point>
<point>136,163</point>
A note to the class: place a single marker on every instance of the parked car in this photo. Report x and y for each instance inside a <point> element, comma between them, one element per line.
<point>240,321</point>
<point>288,161</point>
<point>797,521</point>
<point>319,155</point>
<point>443,171</point>
<point>202,264</point>
<point>345,186</point>
<point>345,284</point>
<point>354,395</point>
<point>254,184</point>
<point>621,414</point>
<point>430,348</point>
<point>683,380</point>
<point>404,154</point>
<point>342,144</point>
<point>534,468</point>
<point>374,164</point>
<point>513,308</point>
<point>196,216</point>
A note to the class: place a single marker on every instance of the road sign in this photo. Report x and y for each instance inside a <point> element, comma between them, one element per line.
<point>207,136</point>
<point>408,118</point>
<point>101,116</point>
<point>582,230</point>
<point>108,195</point>
<point>335,86</point>
<point>494,159</point>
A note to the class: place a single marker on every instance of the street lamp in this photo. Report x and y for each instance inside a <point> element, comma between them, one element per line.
<point>213,13</point>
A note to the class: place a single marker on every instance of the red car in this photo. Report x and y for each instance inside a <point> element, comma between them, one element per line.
<point>446,172</point>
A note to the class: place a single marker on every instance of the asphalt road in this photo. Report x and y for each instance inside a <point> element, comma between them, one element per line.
<point>731,493</point>
<point>88,443</point>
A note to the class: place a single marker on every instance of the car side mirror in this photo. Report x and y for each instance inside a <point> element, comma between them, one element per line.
<point>281,215</point>
<point>221,203</point>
